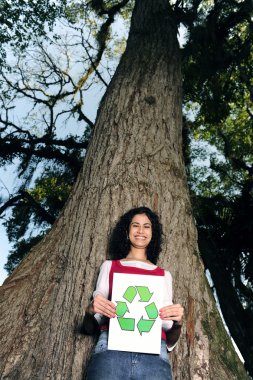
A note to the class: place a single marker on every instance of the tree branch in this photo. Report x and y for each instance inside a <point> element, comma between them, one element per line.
<point>14,201</point>
<point>44,214</point>
<point>13,147</point>
<point>10,203</point>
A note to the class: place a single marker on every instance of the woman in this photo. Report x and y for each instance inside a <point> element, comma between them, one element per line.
<point>134,248</point>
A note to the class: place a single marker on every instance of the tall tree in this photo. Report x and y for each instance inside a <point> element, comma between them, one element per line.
<point>222,199</point>
<point>135,157</point>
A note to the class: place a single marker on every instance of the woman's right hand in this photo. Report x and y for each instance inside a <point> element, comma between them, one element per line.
<point>102,306</point>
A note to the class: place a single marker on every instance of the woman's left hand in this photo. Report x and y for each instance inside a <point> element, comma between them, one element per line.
<point>173,312</point>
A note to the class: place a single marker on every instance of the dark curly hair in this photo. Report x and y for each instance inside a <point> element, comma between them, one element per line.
<point>119,244</point>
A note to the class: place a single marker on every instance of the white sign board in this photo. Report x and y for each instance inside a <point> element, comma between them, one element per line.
<point>137,326</point>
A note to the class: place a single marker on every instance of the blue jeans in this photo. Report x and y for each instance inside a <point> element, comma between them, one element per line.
<point>120,365</point>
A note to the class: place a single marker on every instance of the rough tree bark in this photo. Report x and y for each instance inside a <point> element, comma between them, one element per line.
<point>135,158</point>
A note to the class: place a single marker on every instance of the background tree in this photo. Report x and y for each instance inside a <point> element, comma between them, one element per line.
<point>222,195</point>
<point>193,13</point>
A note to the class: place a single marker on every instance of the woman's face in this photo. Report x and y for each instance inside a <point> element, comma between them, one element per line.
<point>140,231</point>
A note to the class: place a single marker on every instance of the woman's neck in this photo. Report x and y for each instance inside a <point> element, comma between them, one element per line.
<point>137,254</point>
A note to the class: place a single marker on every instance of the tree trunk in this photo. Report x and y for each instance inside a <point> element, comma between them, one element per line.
<point>135,158</point>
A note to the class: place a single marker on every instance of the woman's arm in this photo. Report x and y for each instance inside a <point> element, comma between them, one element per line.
<point>173,313</point>
<point>173,335</point>
<point>100,305</point>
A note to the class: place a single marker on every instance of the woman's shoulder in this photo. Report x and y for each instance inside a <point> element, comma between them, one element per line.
<point>167,273</point>
<point>106,264</point>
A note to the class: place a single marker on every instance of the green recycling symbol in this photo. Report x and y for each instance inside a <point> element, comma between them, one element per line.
<point>144,324</point>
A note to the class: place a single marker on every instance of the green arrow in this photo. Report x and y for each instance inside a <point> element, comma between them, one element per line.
<point>152,311</point>
<point>144,325</point>
<point>121,308</point>
<point>126,323</point>
<point>144,293</point>
<point>130,293</point>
